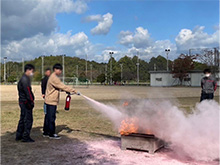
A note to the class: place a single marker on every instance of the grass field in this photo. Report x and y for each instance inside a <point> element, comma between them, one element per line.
<point>78,127</point>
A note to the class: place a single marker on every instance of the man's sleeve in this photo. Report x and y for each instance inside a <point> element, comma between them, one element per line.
<point>202,83</point>
<point>58,84</point>
<point>215,85</point>
<point>43,86</point>
<point>27,90</point>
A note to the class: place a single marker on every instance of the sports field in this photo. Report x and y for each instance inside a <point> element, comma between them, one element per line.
<point>87,136</point>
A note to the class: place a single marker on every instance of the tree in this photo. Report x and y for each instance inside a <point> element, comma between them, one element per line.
<point>37,76</point>
<point>117,77</point>
<point>101,78</point>
<point>182,66</point>
<point>82,77</point>
<point>12,79</point>
<point>159,61</point>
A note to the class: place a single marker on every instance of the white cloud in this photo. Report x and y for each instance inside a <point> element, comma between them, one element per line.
<point>104,23</point>
<point>139,39</point>
<point>26,18</point>
<point>91,18</point>
<point>196,38</point>
<point>56,43</point>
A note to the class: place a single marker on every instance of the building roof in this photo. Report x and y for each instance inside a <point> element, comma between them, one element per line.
<point>164,71</point>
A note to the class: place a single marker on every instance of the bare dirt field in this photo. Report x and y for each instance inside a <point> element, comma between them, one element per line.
<point>87,136</point>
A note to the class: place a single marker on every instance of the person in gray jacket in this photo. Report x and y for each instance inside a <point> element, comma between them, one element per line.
<point>209,86</point>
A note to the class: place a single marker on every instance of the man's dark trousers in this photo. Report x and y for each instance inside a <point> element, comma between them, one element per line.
<point>206,96</point>
<point>46,124</point>
<point>25,122</point>
<point>50,118</point>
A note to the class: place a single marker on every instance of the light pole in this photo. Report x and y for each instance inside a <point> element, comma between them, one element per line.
<point>63,67</point>
<point>5,58</point>
<point>121,72</point>
<point>111,53</point>
<point>91,73</point>
<point>42,66</point>
<point>167,52</point>
<point>190,51</point>
<point>106,69</point>
<point>77,71</point>
<point>138,65</point>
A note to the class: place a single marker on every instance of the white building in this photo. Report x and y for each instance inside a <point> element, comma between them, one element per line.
<point>165,78</point>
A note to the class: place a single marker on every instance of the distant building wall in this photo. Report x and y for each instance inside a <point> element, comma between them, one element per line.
<point>165,78</point>
<point>161,79</point>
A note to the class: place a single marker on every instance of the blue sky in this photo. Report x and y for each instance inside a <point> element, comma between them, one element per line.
<point>163,19</point>
<point>79,27</point>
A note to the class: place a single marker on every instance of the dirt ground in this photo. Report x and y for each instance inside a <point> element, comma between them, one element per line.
<point>87,136</point>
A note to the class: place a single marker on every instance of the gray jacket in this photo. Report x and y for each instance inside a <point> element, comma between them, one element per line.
<point>208,84</point>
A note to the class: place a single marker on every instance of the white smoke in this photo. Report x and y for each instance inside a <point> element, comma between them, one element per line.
<point>194,135</point>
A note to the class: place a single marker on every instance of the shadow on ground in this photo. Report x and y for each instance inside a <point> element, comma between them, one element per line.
<point>45,151</point>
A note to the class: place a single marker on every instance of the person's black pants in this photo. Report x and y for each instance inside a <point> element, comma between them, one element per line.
<point>206,96</point>
<point>25,122</point>
<point>46,124</point>
<point>50,117</point>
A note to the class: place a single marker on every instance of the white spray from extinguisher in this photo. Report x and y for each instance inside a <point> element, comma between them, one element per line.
<point>110,112</point>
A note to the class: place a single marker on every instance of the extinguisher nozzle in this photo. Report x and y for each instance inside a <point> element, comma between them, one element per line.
<point>78,93</point>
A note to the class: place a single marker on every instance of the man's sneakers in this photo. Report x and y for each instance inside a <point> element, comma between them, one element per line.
<point>28,140</point>
<point>54,136</point>
<point>45,135</point>
<point>18,138</point>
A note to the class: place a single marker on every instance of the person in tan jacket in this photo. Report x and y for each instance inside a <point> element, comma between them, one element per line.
<point>54,85</point>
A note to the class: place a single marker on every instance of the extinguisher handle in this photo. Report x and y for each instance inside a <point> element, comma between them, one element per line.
<point>77,93</point>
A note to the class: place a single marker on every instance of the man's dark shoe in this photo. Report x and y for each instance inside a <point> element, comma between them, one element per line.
<point>45,135</point>
<point>18,138</point>
<point>54,136</point>
<point>29,140</point>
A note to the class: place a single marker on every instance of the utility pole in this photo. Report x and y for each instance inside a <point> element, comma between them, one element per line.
<point>63,67</point>
<point>121,72</point>
<point>5,58</point>
<point>111,53</point>
<point>106,69</point>
<point>86,65</point>
<point>167,52</point>
<point>190,51</point>
<point>42,66</point>
<point>77,71</point>
<point>138,64</point>
<point>155,67</point>
<point>91,73</point>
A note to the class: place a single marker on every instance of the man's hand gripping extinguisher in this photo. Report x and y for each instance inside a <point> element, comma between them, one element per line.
<point>68,99</point>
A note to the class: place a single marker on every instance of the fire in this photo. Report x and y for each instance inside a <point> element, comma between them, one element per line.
<point>131,125</point>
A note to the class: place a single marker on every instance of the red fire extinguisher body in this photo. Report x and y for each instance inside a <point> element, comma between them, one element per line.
<point>67,105</point>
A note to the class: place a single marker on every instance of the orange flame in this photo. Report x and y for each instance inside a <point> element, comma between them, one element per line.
<point>131,125</point>
<point>128,126</point>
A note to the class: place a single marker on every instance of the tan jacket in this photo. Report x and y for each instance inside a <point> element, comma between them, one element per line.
<point>54,85</point>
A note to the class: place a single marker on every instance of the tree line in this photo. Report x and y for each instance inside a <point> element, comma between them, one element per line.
<point>76,67</point>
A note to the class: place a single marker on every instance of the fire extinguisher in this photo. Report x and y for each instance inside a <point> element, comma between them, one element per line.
<point>67,105</point>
